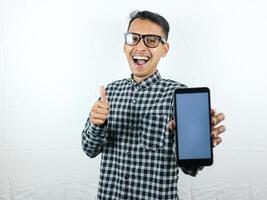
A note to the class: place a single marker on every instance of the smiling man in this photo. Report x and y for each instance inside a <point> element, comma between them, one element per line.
<point>131,124</point>
<point>144,56</point>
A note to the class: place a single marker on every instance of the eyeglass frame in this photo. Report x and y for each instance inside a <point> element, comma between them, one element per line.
<point>141,36</point>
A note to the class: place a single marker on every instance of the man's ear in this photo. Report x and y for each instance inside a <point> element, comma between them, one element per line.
<point>165,49</point>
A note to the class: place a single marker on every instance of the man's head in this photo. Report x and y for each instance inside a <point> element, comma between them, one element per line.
<point>152,17</point>
<point>145,43</point>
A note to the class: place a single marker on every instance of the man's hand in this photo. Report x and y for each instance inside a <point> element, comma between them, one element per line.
<point>216,130</point>
<point>100,109</point>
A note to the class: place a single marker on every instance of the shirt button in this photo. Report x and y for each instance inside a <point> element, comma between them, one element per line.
<point>134,101</point>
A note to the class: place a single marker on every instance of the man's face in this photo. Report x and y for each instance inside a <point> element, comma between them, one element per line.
<point>149,58</point>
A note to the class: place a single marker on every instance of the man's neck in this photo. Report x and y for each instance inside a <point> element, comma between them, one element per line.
<point>139,79</point>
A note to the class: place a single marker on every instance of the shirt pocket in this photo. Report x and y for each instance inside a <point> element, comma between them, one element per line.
<point>152,131</point>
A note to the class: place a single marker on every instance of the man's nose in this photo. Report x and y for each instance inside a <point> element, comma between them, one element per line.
<point>141,45</point>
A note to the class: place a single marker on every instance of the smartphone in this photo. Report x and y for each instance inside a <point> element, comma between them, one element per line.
<point>193,127</point>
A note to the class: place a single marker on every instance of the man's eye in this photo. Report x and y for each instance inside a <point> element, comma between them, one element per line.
<point>151,40</point>
<point>134,39</point>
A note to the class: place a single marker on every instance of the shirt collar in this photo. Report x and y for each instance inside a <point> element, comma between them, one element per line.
<point>147,82</point>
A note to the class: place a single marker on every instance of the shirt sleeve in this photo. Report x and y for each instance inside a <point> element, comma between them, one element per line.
<point>93,138</point>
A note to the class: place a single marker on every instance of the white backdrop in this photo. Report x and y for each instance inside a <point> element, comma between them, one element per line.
<point>54,54</point>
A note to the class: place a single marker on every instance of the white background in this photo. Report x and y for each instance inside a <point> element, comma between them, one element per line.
<point>54,54</point>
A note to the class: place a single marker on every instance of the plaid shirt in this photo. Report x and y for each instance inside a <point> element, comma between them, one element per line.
<point>138,156</point>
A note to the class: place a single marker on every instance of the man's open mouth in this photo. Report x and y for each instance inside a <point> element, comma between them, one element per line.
<point>140,60</point>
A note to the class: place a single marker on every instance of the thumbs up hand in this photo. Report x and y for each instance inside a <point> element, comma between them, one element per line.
<point>100,109</point>
<point>103,94</point>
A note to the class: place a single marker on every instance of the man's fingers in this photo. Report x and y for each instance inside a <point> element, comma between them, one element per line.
<point>217,131</point>
<point>102,111</point>
<point>97,121</point>
<point>103,94</point>
<point>216,141</point>
<point>217,119</point>
<point>102,104</point>
<point>98,116</point>
<point>172,125</point>
<point>213,112</point>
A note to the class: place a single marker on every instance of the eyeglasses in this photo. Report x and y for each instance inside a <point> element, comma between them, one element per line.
<point>150,40</point>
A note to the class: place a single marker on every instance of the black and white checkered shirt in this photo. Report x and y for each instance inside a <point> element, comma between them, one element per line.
<point>138,157</point>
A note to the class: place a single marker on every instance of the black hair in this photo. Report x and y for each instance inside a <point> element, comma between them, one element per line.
<point>153,17</point>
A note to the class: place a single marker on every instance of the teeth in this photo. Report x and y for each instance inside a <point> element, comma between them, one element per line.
<point>140,58</point>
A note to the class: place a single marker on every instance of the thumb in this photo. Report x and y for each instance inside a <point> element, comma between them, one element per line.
<point>103,94</point>
<point>172,125</point>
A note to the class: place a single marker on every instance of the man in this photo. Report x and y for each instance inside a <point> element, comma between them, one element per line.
<point>131,124</point>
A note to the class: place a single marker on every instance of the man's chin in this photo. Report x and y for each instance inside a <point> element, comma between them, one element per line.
<point>138,71</point>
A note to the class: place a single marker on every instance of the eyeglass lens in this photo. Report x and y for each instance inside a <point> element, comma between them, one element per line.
<point>133,39</point>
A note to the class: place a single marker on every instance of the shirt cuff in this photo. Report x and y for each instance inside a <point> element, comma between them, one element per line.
<point>99,130</point>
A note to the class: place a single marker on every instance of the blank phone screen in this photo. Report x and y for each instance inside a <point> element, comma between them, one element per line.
<point>193,125</point>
